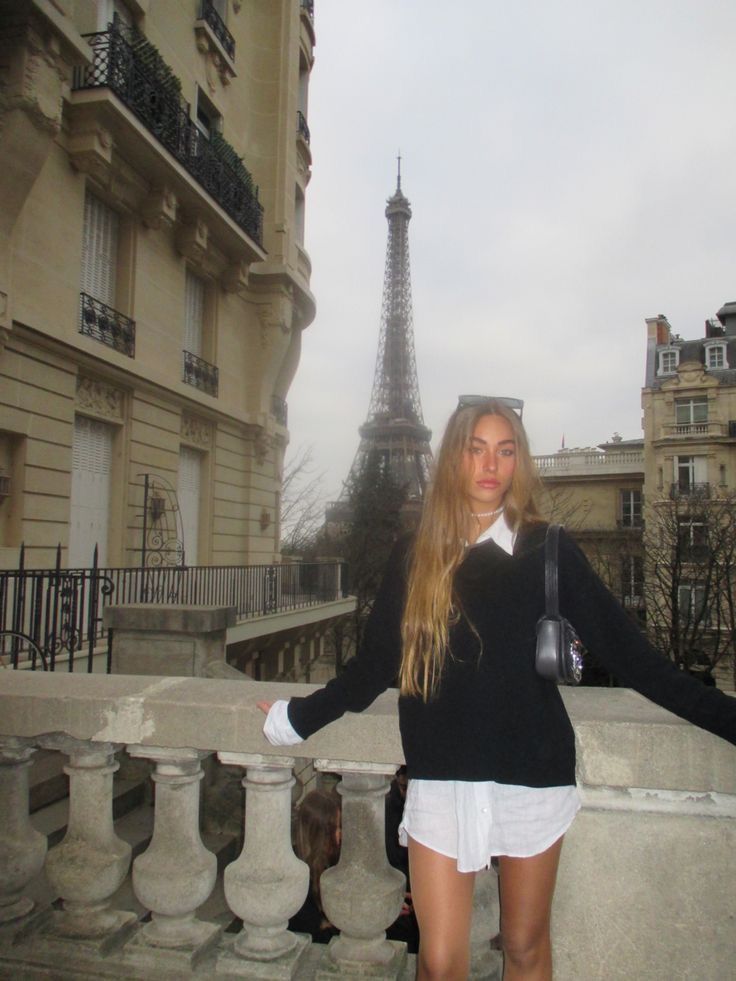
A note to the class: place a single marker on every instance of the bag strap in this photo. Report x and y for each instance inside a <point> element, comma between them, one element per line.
<point>551,598</point>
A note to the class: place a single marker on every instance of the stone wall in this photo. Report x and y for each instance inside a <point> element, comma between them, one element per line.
<point>645,887</point>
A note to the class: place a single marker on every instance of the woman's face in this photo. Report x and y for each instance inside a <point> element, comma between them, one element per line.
<point>490,461</point>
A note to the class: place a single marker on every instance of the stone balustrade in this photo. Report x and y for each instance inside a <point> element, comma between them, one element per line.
<point>646,885</point>
<point>569,463</point>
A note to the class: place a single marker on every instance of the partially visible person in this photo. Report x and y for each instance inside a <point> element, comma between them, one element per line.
<point>405,928</point>
<point>317,837</point>
<point>397,854</point>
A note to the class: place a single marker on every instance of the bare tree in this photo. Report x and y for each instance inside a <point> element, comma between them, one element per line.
<point>690,577</point>
<point>562,505</point>
<point>302,503</point>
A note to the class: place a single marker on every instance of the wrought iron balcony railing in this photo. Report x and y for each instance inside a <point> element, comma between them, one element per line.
<point>279,409</point>
<point>201,374</point>
<point>100,321</point>
<point>694,552</point>
<point>122,62</point>
<point>209,14</point>
<point>301,126</point>
<point>689,490</point>
<point>53,617</point>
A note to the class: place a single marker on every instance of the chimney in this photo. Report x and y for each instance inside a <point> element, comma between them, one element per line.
<point>727,316</point>
<point>659,330</point>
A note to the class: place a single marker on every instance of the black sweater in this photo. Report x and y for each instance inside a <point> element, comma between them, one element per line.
<point>494,717</point>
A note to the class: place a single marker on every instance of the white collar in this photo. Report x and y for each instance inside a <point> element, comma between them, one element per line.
<point>500,533</point>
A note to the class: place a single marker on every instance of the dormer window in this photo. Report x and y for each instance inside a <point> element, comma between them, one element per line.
<point>669,358</point>
<point>715,356</point>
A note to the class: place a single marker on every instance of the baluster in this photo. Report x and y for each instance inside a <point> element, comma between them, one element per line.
<point>22,848</point>
<point>176,873</point>
<point>88,866</point>
<point>362,895</point>
<point>485,964</point>
<point>267,883</point>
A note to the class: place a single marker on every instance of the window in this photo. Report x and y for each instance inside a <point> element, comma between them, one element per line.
<point>12,462</point>
<point>299,216</point>
<point>668,361</point>
<point>630,509</point>
<point>213,35</point>
<point>691,412</point>
<point>100,300</point>
<point>632,579</point>
<point>715,356</point>
<point>90,492</point>
<point>301,116</point>
<point>189,494</point>
<point>99,250</point>
<point>692,536</point>
<point>208,120</point>
<point>110,10</point>
<point>691,601</point>
<point>690,474</point>
<point>194,293</point>
<point>197,340</point>
<point>303,84</point>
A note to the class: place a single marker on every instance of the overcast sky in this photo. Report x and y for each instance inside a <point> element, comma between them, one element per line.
<point>571,168</point>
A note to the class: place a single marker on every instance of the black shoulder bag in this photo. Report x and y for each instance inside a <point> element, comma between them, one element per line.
<point>559,649</point>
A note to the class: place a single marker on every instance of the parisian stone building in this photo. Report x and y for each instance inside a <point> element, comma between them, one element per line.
<point>657,515</point>
<point>154,160</point>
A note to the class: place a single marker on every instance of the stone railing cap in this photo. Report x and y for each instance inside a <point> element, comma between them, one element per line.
<point>169,619</point>
<point>622,739</point>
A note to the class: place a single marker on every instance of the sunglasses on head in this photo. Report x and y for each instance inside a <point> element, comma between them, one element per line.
<point>472,401</point>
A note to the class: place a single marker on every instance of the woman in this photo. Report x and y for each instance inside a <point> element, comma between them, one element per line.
<point>317,837</point>
<point>488,745</point>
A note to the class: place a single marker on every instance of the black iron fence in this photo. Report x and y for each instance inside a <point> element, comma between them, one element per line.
<point>125,63</point>
<point>684,488</point>
<point>217,25</point>
<point>301,126</point>
<point>51,617</point>
<point>279,409</point>
<point>100,321</point>
<point>201,374</point>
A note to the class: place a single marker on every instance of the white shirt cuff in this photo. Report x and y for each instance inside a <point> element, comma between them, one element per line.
<point>277,729</point>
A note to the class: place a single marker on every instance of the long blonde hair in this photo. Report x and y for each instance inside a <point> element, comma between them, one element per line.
<point>440,544</point>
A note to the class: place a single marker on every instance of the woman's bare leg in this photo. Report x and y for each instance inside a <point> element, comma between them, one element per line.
<point>526,886</point>
<point>443,903</point>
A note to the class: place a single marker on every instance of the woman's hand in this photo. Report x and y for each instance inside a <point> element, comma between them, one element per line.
<point>277,729</point>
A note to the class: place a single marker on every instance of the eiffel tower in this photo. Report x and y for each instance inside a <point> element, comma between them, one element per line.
<point>394,431</point>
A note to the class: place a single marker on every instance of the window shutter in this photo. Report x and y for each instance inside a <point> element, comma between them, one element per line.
<point>99,250</point>
<point>90,494</point>
<point>193,314</point>
<point>189,493</point>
